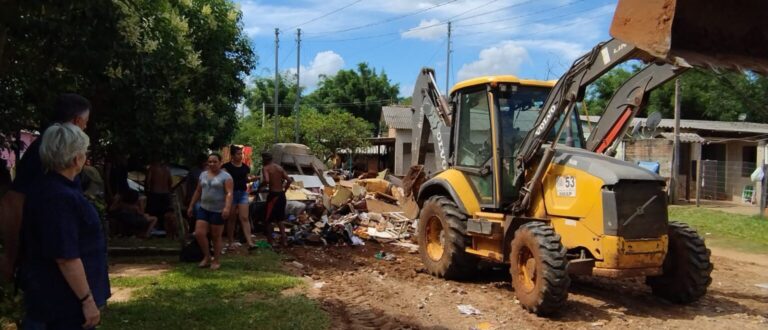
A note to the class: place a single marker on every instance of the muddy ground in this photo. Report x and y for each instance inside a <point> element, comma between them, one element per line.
<point>362,292</point>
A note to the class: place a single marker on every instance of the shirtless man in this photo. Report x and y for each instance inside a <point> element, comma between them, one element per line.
<point>159,184</point>
<point>278,182</point>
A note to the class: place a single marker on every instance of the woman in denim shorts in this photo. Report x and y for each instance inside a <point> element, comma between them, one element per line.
<point>241,175</point>
<point>214,191</point>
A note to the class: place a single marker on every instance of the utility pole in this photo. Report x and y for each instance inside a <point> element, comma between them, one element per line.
<point>276,117</point>
<point>448,62</point>
<point>263,114</point>
<point>675,173</point>
<point>298,88</point>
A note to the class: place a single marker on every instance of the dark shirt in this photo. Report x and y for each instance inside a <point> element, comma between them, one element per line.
<point>239,175</point>
<point>193,178</point>
<point>118,179</point>
<point>28,169</point>
<point>59,223</point>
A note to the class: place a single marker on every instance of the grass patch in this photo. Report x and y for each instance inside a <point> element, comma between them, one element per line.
<point>244,294</point>
<point>133,242</point>
<point>741,232</point>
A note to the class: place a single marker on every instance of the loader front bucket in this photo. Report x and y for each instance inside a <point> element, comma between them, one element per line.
<point>730,34</point>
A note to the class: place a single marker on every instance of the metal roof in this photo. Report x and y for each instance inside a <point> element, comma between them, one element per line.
<point>397,117</point>
<point>685,137</point>
<point>706,125</point>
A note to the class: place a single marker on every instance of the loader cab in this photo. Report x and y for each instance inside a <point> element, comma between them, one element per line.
<point>492,116</point>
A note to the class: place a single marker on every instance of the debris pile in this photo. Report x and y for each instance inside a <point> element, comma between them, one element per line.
<point>380,208</point>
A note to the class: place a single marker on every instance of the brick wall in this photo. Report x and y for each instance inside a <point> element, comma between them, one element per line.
<point>650,150</point>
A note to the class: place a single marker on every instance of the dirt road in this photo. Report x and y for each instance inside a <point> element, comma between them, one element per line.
<point>362,292</point>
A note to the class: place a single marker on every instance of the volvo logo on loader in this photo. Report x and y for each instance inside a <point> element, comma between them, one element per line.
<point>547,119</point>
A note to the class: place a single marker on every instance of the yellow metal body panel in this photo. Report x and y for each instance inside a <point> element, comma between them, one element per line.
<point>490,216</point>
<point>488,247</point>
<point>463,188</point>
<point>585,204</point>
<point>501,79</point>
<point>622,254</point>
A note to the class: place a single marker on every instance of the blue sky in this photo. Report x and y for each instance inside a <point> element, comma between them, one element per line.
<point>529,38</point>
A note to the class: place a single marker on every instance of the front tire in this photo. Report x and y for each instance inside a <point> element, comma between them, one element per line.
<point>538,266</point>
<point>442,240</point>
<point>686,268</point>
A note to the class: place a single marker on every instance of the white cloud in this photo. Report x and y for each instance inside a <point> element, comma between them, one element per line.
<point>252,31</point>
<point>567,51</point>
<point>325,63</point>
<point>426,30</point>
<point>507,56</point>
<point>504,58</point>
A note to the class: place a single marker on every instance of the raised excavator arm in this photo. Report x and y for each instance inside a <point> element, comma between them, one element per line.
<point>432,116</point>
<point>672,36</point>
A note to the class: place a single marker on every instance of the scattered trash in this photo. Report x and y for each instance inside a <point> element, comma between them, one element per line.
<point>297,264</point>
<point>597,324</point>
<point>318,285</point>
<point>762,285</point>
<point>412,248</point>
<point>482,326</point>
<point>381,255</point>
<point>468,310</point>
<point>375,206</point>
<point>357,241</point>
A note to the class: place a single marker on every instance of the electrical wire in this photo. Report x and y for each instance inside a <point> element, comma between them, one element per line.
<point>473,9</point>
<point>314,39</point>
<point>595,9</point>
<point>531,14</point>
<point>326,14</point>
<point>391,19</point>
<point>497,10</point>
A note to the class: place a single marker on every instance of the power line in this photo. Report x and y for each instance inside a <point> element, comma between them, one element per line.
<point>326,14</point>
<point>293,49</point>
<point>537,21</point>
<point>437,50</point>
<point>473,9</point>
<point>446,22</point>
<point>495,10</point>
<point>391,19</point>
<point>529,14</point>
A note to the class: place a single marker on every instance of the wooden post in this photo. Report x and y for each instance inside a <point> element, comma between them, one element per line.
<point>762,195</point>
<point>675,173</point>
<point>699,183</point>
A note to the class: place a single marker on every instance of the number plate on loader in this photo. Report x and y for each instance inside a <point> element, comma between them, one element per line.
<point>566,186</point>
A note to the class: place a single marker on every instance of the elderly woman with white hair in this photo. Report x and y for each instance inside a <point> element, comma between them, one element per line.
<point>64,261</point>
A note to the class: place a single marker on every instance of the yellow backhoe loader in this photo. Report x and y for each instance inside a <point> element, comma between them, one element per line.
<point>517,183</point>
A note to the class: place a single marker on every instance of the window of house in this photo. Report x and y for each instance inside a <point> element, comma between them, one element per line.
<point>748,160</point>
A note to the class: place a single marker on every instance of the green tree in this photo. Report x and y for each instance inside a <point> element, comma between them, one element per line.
<point>319,131</point>
<point>704,95</point>
<point>361,92</point>
<point>164,76</point>
<point>601,91</point>
<point>263,92</point>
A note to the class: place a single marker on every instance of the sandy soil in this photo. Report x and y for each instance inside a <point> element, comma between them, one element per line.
<point>362,292</point>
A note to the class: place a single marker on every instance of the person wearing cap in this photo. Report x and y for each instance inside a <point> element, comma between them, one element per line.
<point>68,108</point>
<point>63,270</point>
<point>278,181</point>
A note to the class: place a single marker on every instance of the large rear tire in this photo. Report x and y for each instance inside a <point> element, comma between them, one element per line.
<point>442,240</point>
<point>686,267</point>
<point>538,266</point>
